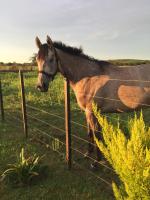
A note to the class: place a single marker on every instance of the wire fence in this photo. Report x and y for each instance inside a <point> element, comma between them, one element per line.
<point>62,154</point>
<point>36,124</point>
<point>62,131</point>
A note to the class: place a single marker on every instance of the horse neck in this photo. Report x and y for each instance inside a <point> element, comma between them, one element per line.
<point>75,67</point>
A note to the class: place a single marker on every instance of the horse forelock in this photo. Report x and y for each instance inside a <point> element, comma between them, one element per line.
<point>43,51</point>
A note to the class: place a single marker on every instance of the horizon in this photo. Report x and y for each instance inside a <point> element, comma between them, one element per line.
<point>106,30</point>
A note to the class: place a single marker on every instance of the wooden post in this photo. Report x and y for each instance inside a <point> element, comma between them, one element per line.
<point>23,103</point>
<point>67,122</point>
<point>1,102</point>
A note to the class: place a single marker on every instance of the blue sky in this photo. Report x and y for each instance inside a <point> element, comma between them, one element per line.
<point>106,29</point>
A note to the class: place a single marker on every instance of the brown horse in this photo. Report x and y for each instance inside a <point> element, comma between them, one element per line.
<point>114,89</point>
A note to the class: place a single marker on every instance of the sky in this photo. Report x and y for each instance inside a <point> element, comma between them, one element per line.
<point>106,29</point>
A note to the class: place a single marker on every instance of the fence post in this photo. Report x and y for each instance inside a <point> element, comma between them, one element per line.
<point>23,103</point>
<point>1,102</point>
<point>67,122</point>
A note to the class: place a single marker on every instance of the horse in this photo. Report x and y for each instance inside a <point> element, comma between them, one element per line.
<point>114,89</point>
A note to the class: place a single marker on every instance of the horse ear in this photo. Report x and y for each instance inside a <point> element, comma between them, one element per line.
<point>38,42</point>
<point>49,41</point>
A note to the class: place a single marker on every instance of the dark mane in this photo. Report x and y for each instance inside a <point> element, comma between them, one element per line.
<point>68,49</point>
<point>78,52</point>
<point>43,51</point>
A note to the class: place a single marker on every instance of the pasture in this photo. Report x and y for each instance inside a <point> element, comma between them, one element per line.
<point>80,182</point>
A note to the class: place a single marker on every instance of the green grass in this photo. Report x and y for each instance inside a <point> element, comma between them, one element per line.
<point>61,183</point>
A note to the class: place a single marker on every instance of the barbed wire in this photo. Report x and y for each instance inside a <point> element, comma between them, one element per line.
<point>73,122</point>
<point>45,133</point>
<point>63,154</point>
<point>75,136</point>
<point>60,153</point>
<point>64,119</point>
<point>55,115</point>
<point>94,160</point>
<point>111,99</point>
<point>63,131</point>
<point>92,173</point>
<point>79,109</point>
<point>55,127</point>
<point>61,141</point>
<point>74,162</point>
<point>78,151</point>
<point>77,123</point>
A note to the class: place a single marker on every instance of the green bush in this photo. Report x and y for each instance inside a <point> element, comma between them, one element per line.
<point>25,171</point>
<point>129,156</point>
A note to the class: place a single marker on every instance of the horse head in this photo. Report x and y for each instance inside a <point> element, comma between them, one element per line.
<point>47,62</point>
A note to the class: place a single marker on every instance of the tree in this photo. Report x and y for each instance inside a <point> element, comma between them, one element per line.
<point>33,59</point>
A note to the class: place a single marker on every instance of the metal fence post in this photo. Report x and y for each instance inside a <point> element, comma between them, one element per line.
<point>23,103</point>
<point>67,122</point>
<point>1,102</point>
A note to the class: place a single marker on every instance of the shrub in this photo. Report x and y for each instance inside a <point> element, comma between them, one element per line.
<point>130,157</point>
<point>25,171</point>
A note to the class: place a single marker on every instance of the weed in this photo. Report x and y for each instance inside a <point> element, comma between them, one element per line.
<point>25,171</point>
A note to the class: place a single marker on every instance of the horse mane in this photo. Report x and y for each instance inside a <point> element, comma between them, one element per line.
<point>78,52</point>
<point>71,50</point>
<point>68,49</point>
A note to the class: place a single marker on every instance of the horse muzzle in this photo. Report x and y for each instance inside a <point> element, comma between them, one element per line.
<point>42,88</point>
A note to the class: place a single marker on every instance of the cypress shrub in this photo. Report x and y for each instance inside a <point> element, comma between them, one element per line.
<point>129,156</point>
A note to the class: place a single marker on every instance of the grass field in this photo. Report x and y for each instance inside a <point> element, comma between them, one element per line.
<point>80,182</point>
